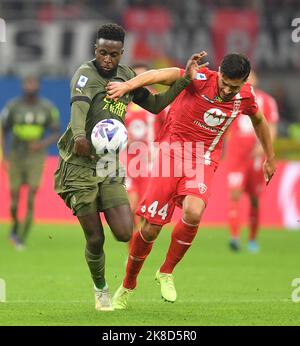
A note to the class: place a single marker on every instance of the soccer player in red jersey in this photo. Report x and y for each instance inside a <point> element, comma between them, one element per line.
<point>244,159</point>
<point>200,114</point>
<point>143,127</point>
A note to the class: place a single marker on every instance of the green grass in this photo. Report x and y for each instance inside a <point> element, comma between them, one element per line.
<point>49,283</point>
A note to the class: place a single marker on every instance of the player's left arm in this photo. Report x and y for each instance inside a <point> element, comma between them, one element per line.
<point>166,76</point>
<point>155,103</point>
<point>263,133</point>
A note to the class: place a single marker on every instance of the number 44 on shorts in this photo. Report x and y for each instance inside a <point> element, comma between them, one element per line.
<point>152,209</point>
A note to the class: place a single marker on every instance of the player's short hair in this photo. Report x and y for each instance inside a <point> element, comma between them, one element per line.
<point>236,66</point>
<point>111,31</point>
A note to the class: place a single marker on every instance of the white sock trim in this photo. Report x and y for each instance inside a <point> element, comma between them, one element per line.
<point>135,258</point>
<point>189,224</point>
<point>146,241</point>
<point>183,242</point>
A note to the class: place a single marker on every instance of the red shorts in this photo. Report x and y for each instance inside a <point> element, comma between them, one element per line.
<point>246,175</point>
<point>163,193</point>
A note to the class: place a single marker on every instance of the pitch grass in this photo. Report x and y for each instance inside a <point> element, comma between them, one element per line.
<point>49,283</point>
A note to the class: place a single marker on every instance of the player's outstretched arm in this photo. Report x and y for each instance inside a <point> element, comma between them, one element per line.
<point>264,135</point>
<point>166,76</point>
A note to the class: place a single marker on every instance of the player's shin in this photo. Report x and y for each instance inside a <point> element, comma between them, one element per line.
<point>96,263</point>
<point>139,250</point>
<point>233,219</point>
<point>29,214</point>
<point>181,240</point>
<point>254,223</point>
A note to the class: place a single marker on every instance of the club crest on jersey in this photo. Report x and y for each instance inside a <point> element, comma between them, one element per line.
<point>202,188</point>
<point>82,81</point>
<point>200,76</point>
<point>214,117</point>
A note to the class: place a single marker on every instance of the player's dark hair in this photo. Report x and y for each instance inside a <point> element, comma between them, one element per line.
<point>111,31</point>
<point>236,66</point>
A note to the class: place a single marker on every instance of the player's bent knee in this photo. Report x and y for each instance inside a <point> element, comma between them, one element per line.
<point>95,242</point>
<point>192,216</point>
<point>124,236</point>
<point>150,231</point>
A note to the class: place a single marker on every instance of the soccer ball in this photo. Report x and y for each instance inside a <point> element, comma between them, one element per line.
<point>109,136</point>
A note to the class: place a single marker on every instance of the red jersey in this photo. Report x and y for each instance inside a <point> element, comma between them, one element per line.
<point>241,138</point>
<point>198,115</point>
<point>143,128</point>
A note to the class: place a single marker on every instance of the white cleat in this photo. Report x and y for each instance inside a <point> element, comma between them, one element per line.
<point>103,300</point>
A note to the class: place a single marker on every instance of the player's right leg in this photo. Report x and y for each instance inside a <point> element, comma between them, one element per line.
<point>14,199</point>
<point>95,258</point>
<point>15,181</point>
<point>78,187</point>
<point>254,188</point>
<point>236,182</point>
<point>33,169</point>
<point>233,218</point>
<point>141,246</point>
<point>156,208</point>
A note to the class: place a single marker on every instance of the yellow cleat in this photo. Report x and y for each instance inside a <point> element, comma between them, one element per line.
<point>120,298</point>
<point>103,300</point>
<point>167,288</point>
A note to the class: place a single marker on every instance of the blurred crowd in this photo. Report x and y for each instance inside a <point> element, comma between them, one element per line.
<point>274,16</point>
<point>273,12</point>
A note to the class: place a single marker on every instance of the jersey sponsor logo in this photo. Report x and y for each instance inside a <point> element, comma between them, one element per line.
<point>200,76</point>
<point>208,128</point>
<point>202,188</point>
<point>214,117</point>
<point>82,81</point>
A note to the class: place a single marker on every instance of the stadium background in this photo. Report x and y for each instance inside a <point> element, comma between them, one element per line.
<point>52,38</point>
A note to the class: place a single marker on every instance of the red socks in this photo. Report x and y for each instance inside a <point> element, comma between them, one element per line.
<point>139,250</point>
<point>233,219</point>
<point>254,221</point>
<point>181,240</point>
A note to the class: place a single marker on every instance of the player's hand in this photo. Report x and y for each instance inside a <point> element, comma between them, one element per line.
<point>36,146</point>
<point>115,90</point>
<point>83,147</point>
<point>269,169</point>
<point>194,64</point>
